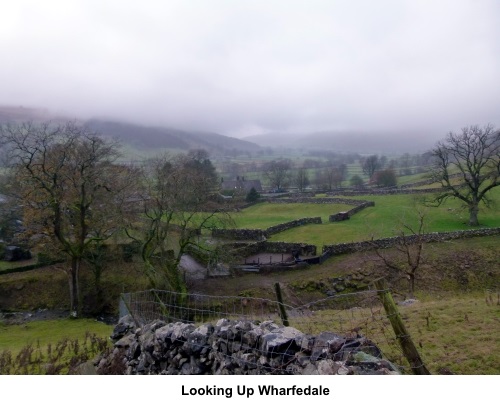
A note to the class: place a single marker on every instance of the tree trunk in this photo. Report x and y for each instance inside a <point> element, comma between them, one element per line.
<point>473,210</point>
<point>74,290</point>
<point>411,284</point>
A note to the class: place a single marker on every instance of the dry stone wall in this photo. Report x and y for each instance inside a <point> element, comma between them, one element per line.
<point>342,216</point>
<point>292,224</point>
<point>248,249</point>
<point>308,200</point>
<point>391,191</point>
<point>237,347</point>
<point>239,234</point>
<point>259,234</point>
<point>342,248</point>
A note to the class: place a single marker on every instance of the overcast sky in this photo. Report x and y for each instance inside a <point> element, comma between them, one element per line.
<point>244,67</point>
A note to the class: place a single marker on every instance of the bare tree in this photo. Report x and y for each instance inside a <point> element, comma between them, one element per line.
<point>64,178</point>
<point>178,204</point>
<point>330,177</point>
<point>278,173</point>
<point>370,165</point>
<point>468,166</point>
<point>301,179</point>
<point>410,245</point>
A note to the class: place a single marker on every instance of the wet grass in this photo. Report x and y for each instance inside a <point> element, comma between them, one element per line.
<point>15,337</point>
<point>51,347</point>
<point>264,215</point>
<point>386,217</point>
<point>457,334</point>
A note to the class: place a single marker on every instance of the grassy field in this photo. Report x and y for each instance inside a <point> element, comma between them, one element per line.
<point>12,265</point>
<point>262,216</point>
<point>51,346</point>
<point>15,337</point>
<point>383,220</point>
<point>458,334</point>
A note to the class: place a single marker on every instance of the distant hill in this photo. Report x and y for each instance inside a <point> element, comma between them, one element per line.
<point>18,114</point>
<point>139,136</point>
<point>143,137</point>
<point>148,138</point>
<point>349,141</point>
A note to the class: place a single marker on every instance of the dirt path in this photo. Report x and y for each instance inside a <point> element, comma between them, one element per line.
<point>193,269</point>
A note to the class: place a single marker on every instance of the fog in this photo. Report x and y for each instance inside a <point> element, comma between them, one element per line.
<point>250,67</point>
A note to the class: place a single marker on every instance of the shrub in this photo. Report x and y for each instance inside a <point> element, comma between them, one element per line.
<point>252,195</point>
<point>385,178</point>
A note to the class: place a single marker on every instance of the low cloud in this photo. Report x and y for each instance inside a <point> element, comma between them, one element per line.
<point>239,67</point>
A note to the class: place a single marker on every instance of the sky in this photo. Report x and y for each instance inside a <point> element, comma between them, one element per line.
<point>249,67</point>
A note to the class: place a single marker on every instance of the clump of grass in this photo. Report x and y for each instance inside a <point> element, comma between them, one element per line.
<point>62,358</point>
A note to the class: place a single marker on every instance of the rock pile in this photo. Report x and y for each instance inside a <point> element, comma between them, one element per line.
<point>238,347</point>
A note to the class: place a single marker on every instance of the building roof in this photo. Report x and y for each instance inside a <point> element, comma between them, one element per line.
<point>241,184</point>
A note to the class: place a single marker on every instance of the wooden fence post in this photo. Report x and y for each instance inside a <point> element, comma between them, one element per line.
<point>402,335</point>
<point>279,298</point>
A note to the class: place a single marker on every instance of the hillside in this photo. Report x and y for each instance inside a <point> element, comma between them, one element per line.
<point>349,141</point>
<point>137,136</point>
<point>144,137</point>
<point>20,113</point>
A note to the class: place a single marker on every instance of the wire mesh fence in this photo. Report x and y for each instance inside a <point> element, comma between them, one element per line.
<point>353,316</point>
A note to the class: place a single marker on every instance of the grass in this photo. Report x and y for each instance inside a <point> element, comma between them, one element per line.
<point>12,265</point>
<point>460,334</point>
<point>264,215</point>
<point>15,337</point>
<point>457,334</point>
<point>385,219</point>
<point>52,346</point>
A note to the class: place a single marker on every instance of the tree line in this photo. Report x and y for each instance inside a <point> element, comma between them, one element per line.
<point>64,182</point>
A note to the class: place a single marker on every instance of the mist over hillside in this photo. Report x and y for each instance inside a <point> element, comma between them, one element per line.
<point>138,136</point>
<point>148,138</point>
<point>349,141</point>
<point>144,137</point>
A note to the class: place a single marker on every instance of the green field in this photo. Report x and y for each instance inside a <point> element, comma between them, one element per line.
<point>12,265</point>
<point>51,346</point>
<point>262,216</point>
<point>15,337</point>
<point>458,334</point>
<point>380,221</point>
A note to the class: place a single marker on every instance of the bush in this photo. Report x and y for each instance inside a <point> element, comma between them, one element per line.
<point>252,195</point>
<point>385,178</point>
<point>356,181</point>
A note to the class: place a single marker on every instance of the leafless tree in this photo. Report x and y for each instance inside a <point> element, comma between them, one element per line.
<point>410,245</point>
<point>370,165</point>
<point>468,166</point>
<point>278,173</point>
<point>301,179</point>
<point>65,180</point>
<point>330,177</point>
<point>178,204</point>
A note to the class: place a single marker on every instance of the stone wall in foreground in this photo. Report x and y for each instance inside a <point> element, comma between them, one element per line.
<point>237,347</point>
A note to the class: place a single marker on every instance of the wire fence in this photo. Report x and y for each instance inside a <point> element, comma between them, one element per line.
<point>359,315</point>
